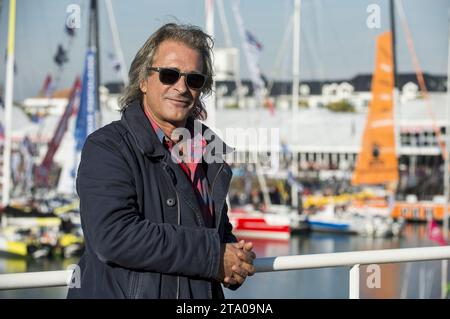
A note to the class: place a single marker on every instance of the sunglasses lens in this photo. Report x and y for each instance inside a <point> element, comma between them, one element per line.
<point>169,76</point>
<point>195,81</point>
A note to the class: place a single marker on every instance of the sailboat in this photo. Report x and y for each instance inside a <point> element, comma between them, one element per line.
<point>377,163</point>
<point>377,160</point>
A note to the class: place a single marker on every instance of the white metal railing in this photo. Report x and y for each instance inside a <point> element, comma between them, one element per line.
<point>40,279</point>
<point>268,264</point>
<point>353,259</point>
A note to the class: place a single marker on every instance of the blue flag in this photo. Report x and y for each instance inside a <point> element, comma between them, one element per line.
<point>85,124</point>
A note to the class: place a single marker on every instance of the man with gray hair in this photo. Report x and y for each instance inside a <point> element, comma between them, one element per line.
<point>156,225</point>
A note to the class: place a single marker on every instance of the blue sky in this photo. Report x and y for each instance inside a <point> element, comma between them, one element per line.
<point>335,40</point>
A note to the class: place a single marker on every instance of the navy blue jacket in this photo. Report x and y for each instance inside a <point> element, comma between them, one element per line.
<point>144,232</point>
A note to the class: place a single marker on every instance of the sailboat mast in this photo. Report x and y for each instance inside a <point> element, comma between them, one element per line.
<point>296,57</point>
<point>295,88</point>
<point>210,100</point>
<point>447,131</point>
<point>116,42</point>
<point>9,86</point>
<point>394,49</point>
<point>395,97</point>
<point>446,171</point>
<point>224,23</point>
<point>229,45</point>
<point>93,43</point>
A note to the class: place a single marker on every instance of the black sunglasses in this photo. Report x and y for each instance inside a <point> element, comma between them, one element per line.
<point>170,76</point>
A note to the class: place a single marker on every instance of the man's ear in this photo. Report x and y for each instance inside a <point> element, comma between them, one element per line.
<point>143,87</point>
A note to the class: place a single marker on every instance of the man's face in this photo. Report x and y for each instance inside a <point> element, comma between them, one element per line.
<point>172,103</point>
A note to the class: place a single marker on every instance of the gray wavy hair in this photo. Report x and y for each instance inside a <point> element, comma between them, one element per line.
<point>189,35</point>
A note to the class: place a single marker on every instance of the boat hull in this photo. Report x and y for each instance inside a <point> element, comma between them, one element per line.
<point>254,224</point>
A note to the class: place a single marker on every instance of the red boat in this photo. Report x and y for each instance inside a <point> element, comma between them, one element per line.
<point>256,224</point>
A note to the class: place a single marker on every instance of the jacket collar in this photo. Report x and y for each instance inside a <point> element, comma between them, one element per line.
<point>134,119</point>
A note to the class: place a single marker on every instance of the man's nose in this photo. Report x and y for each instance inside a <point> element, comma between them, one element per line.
<point>180,85</point>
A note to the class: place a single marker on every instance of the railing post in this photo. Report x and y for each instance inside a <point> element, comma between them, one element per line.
<point>354,282</point>
<point>444,268</point>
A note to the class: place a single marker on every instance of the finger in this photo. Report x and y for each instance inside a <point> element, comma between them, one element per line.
<point>246,256</point>
<point>239,279</point>
<point>249,268</point>
<point>241,271</point>
<point>239,245</point>
<point>226,285</point>
<point>248,246</point>
<point>230,281</point>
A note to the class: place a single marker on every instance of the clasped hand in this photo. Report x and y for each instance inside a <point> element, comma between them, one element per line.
<point>237,263</point>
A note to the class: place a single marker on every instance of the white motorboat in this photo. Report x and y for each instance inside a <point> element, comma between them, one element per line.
<point>341,220</point>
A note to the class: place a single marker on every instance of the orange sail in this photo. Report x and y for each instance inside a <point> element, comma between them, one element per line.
<point>377,160</point>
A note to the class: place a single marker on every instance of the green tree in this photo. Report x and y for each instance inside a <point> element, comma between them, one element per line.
<point>341,106</point>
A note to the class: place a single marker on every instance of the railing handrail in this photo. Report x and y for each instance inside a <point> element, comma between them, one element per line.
<point>39,279</point>
<point>364,257</point>
<point>61,278</point>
